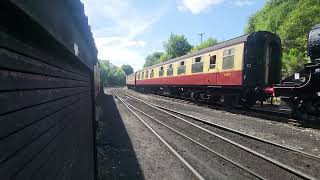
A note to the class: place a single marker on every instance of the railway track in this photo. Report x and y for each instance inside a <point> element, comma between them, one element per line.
<point>222,127</point>
<point>191,168</point>
<point>258,112</point>
<point>259,158</point>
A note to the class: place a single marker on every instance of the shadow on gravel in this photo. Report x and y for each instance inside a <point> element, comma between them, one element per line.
<point>116,157</point>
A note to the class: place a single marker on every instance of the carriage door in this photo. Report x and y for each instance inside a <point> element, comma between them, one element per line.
<point>212,70</point>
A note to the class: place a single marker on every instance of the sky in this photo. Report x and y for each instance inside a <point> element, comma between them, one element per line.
<point>126,31</point>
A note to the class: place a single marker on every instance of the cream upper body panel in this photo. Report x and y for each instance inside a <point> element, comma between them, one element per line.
<point>130,78</point>
<point>237,50</point>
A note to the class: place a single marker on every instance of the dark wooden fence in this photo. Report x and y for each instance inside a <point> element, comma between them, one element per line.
<point>47,55</point>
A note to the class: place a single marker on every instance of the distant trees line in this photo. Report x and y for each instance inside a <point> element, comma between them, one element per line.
<point>290,19</point>
<point>112,75</point>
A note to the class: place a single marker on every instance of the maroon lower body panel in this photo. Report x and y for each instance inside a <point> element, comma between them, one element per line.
<point>202,79</point>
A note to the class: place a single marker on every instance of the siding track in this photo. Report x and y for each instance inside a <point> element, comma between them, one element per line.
<point>293,163</point>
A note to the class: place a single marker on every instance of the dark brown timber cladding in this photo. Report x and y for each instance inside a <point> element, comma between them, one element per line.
<point>47,55</point>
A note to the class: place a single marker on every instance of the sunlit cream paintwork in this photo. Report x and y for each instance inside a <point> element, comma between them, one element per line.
<point>216,76</point>
<point>130,79</point>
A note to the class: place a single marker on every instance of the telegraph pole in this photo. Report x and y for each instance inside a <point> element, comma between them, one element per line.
<point>201,34</point>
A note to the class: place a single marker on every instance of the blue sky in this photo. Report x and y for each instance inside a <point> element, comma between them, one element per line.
<point>126,31</point>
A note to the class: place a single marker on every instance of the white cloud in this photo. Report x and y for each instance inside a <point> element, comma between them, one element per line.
<point>243,2</point>
<point>119,56</point>
<point>120,42</point>
<point>116,26</point>
<point>197,6</point>
<point>121,50</point>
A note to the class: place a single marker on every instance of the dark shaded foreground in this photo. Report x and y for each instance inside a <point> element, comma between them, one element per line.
<point>116,157</point>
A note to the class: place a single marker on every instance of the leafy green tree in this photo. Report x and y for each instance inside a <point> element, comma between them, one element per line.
<point>111,74</point>
<point>119,77</point>
<point>294,30</point>
<point>153,59</point>
<point>207,43</point>
<point>250,28</point>
<point>177,45</point>
<point>127,69</point>
<point>293,61</point>
<point>105,68</point>
<point>164,57</point>
<point>292,21</point>
<point>271,16</point>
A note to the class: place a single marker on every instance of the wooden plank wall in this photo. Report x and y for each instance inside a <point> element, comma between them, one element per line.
<point>46,105</point>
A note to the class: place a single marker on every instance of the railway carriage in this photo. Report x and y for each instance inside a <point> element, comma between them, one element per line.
<point>131,80</point>
<point>238,71</point>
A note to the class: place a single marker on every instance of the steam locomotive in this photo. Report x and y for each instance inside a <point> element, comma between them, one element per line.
<point>301,91</point>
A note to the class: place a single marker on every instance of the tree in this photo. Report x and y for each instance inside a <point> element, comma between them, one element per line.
<point>164,57</point>
<point>105,68</point>
<point>292,21</point>
<point>119,77</point>
<point>294,30</point>
<point>153,59</point>
<point>177,45</point>
<point>207,43</point>
<point>293,61</point>
<point>111,74</point>
<point>250,28</point>
<point>271,16</point>
<point>127,69</point>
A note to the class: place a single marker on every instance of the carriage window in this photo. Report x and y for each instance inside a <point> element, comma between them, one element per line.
<point>142,75</point>
<point>197,60</point>
<point>152,73</point>
<point>147,74</point>
<point>228,58</point>
<point>161,71</point>
<point>213,60</point>
<point>138,76</point>
<point>197,65</point>
<point>181,69</point>
<point>229,52</point>
<point>170,70</point>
